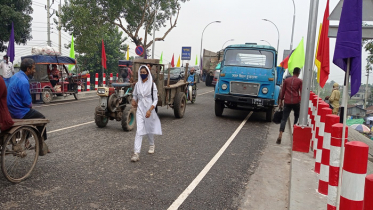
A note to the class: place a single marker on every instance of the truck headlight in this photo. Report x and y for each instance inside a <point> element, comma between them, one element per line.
<point>265,90</point>
<point>224,86</point>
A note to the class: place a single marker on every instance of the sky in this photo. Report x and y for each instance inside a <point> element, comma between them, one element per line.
<point>241,20</point>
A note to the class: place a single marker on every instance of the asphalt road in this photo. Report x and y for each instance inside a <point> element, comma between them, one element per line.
<point>90,168</point>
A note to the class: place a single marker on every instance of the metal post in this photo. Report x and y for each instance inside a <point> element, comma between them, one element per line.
<point>226,43</point>
<point>366,90</point>
<point>48,24</point>
<point>200,52</point>
<point>155,20</point>
<point>292,30</point>
<point>310,52</point>
<point>266,41</point>
<point>278,33</point>
<point>59,26</point>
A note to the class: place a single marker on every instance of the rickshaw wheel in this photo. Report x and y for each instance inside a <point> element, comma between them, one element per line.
<point>47,95</point>
<point>76,96</point>
<point>128,119</point>
<point>179,105</point>
<point>19,156</point>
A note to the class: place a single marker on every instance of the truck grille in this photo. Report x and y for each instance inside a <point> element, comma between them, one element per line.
<point>244,88</point>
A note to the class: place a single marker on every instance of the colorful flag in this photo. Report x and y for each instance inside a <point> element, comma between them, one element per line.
<point>103,55</point>
<point>72,52</point>
<point>172,61</point>
<point>11,51</point>
<point>348,44</point>
<point>196,60</point>
<point>285,63</point>
<point>323,49</point>
<point>317,62</point>
<point>297,58</point>
<point>128,52</point>
<point>161,60</point>
<point>178,62</point>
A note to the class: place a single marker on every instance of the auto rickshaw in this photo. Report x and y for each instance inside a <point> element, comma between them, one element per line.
<point>42,85</point>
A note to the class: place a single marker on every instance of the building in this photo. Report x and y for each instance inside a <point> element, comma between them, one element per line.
<point>356,111</point>
<point>359,97</point>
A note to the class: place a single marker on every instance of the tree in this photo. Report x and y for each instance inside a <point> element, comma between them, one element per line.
<point>88,20</point>
<point>19,12</point>
<point>114,52</point>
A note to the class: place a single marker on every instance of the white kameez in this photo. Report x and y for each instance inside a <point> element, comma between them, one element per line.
<point>142,94</point>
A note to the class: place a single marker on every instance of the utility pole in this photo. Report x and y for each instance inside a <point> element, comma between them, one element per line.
<point>155,20</point>
<point>49,15</point>
<point>59,28</point>
<point>368,68</point>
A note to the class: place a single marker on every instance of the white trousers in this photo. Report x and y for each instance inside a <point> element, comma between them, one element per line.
<point>138,142</point>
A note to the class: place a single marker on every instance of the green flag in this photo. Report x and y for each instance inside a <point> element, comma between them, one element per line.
<point>196,60</point>
<point>72,52</point>
<point>161,60</point>
<point>297,58</point>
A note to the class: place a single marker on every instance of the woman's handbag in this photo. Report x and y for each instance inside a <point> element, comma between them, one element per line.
<point>278,116</point>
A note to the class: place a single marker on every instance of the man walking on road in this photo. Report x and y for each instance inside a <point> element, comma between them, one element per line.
<point>7,70</point>
<point>334,98</point>
<point>290,93</point>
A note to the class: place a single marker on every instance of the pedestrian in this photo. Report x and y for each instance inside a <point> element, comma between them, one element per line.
<point>291,94</point>
<point>7,70</point>
<point>6,121</point>
<point>334,98</point>
<point>19,96</point>
<point>129,73</point>
<point>145,99</point>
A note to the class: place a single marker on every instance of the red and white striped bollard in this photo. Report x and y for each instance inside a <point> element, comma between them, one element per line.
<point>88,82</point>
<point>368,193</point>
<point>104,80</point>
<point>96,81</point>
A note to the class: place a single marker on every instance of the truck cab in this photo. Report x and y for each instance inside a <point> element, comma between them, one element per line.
<point>249,79</point>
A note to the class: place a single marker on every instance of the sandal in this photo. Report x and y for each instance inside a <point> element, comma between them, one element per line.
<point>278,140</point>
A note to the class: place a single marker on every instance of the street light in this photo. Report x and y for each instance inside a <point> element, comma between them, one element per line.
<point>278,33</point>
<point>200,52</point>
<point>292,30</point>
<point>266,41</point>
<point>226,42</point>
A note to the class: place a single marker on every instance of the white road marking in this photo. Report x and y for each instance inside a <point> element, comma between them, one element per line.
<point>184,195</point>
<point>68,102</point>
<point>205,93</point>
<point>70,127</point>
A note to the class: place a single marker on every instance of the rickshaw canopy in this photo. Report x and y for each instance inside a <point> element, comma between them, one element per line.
<point>125,63</point>
<point>51,59</point>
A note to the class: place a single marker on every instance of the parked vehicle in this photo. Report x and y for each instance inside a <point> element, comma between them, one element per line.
<point>216,75</point>
<point>176,74</point>
<point>210,61</point>
<point>41,84</point>
<point>249,79</point>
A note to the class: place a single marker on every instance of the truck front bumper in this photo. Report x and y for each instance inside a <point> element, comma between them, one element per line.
<point>246,100</point>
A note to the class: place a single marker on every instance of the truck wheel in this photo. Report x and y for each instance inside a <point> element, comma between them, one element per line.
<point>269,114</point>
<point>219,108</point>
<point>47,95</point>
<point>100,121</point>
<point>179,105</point>
<point>128,119</point>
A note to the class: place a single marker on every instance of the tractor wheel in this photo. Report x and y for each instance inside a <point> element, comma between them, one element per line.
<point>101,121</point>
<point>179,105</point>
<point>128,119</point>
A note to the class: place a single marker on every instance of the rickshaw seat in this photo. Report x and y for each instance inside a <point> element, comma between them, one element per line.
<point>125,84</point>
<point>20,122</point>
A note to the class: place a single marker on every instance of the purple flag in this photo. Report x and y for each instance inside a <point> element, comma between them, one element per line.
<point>11,51</point>
<point>349,39</point>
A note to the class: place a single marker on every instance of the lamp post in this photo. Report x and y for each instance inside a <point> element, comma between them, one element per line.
<point>200,52</point>
<point>266,41</point>
<point>292,30</point>
<point>226,42</point>
<point>278,33</point>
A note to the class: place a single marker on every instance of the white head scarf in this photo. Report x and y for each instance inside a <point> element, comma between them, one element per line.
<point>144,88</point>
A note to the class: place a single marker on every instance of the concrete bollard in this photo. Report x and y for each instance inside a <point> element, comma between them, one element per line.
<point>117,78</point>
<point>310,105</point>
<point>88,82</point>
<point>96,81</point>
<point>111,78</point>
<point>317,147</point>
<point>330,120</point>
<point>317,124</point>
<point>353,176</point>
<point>313,119</point>
<point>368,193</point>
<point>334,161</point>
<point>104,80</point>
<point>79,88</point>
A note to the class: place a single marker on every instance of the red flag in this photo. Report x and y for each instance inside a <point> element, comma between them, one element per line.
<point>172,61</point>
<point>285,62</point>
<point>323,49</point>
<point>103,55</point>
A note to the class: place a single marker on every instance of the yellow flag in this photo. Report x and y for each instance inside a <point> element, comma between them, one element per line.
<point>317,62</point>
<point>178,62</point>
<point>128,53</point>
<point>297,58</point>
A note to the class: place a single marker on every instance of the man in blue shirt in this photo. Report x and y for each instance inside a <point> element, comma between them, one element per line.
<point>19,96</point>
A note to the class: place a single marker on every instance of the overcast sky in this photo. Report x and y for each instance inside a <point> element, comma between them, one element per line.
<point>241,20</point>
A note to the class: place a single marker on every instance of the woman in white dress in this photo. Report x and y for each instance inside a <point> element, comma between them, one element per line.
<point>147,119</point>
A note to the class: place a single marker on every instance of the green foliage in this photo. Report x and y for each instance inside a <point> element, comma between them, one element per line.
<point>114,51</point>
<point>19,12</point>
<point>88,20</point>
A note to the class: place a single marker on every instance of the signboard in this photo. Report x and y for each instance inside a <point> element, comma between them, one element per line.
<point>186,53</point>
<point>139,50</point>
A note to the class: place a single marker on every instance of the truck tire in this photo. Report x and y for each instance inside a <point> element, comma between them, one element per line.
<point>269,114</point>
<point>47,95</point>
<point>128,119</point>
<point>100,121</point>
<point>219,108</point>
<point>179,105</point>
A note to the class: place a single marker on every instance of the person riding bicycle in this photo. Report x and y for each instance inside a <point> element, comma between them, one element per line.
<point>192,86</point>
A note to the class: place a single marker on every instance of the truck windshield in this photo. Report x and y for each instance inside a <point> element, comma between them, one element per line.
<point>252,58</point>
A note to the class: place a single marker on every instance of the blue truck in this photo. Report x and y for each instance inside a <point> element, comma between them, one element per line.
<point>249,79</point>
